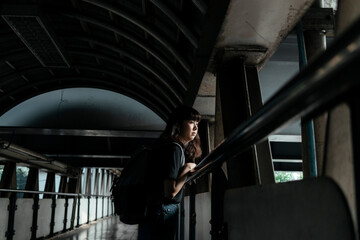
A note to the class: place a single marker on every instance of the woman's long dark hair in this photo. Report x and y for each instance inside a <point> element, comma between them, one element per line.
<point>172,132</point>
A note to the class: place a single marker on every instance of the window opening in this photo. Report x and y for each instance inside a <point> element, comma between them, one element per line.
<point>42,182</point>
<point>21,178</point>
<point>287,176</point>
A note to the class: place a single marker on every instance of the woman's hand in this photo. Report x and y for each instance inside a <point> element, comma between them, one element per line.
<point>172,187</point>
<point>190,167</point>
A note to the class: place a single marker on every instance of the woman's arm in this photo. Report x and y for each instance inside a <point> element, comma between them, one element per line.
<point>173,187</point>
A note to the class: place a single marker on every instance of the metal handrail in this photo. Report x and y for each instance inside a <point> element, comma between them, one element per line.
<point>54,193</point>
<point>317,87</point>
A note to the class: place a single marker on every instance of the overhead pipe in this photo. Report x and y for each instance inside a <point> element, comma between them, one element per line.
<point>32,158</point>
<point>5,145</point>
<point>315,88</point>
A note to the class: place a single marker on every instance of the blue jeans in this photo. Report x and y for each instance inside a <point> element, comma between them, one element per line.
<point>162,226</point>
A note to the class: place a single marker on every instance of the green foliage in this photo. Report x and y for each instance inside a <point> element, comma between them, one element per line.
<point>287,176</point>
<point>21,177</point>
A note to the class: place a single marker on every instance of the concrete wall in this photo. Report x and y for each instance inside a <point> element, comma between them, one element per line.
<point>203,216</point>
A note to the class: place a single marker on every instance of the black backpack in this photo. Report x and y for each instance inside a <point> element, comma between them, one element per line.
<point>130,192</point>
<point>134,193</point>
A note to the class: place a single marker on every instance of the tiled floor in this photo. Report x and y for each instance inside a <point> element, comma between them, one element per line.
<point>109,228</point>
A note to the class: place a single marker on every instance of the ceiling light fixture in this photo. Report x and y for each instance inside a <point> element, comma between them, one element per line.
<point>30,25</point>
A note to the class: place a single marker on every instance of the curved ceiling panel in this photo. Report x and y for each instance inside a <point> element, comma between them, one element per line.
<point>82,108</point>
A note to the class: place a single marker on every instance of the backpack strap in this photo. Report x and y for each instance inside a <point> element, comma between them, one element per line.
<point>182,153</point>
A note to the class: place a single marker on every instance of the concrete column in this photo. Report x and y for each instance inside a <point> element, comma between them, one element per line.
<point>32,182</point>
<point>320,123</point>
<point>235,108</point>
<point>63,186</point>
<point>218,125</point>
<point>8,179</point>
<point>218,128</point>
<point>110,178</point>
<point>262,150</point>
<point>315,44</point>
<point>74,185</point>
<point>102,181</point>
<point>202,184</point>
<point>339,163</point>
<point>107,177</point>
<point>355,129</point>
<point>315,40</point>
<point>348,12</point>
<point>96,182</point>
<point>339,157</point>
<point>218,178</point>
<point>88,182</point>
<point>50,184</point>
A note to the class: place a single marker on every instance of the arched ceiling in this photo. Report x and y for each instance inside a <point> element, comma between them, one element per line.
<point>155,52</point>
<point>82,108</point>
<point>149,50</point>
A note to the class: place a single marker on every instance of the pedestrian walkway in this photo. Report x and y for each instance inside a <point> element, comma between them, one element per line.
<point>109,228</point>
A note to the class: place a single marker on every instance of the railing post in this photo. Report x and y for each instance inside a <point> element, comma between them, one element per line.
<point>181,219</point>
<point>102,210</point>
<point>78,212</point>
<point>108,209</point>
<point>52,222</point>
<point>66,212</point>
<point>36,206</point>
<point>11,208</point>
<point>192,213</point>
<point>218,187</point>
<point>96,207</point>
<point>88,210</point>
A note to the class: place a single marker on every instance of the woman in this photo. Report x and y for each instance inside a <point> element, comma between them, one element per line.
<point>180,146</point>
